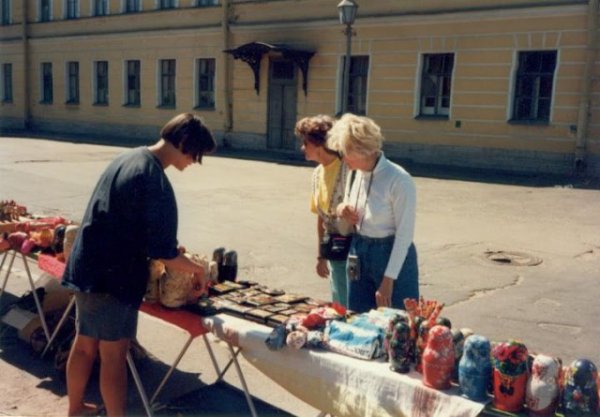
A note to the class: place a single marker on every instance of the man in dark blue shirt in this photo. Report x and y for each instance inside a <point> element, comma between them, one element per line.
<point>131,218</point>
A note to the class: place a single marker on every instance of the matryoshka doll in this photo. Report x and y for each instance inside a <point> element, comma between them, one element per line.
<point>400,348</point>
<point>580,393</point>
<point>475,368</point>
<point>438,358</point>
<point>542,391</point>
<point>420,344</point>
<point>458,340</point>
<point>510,375</point>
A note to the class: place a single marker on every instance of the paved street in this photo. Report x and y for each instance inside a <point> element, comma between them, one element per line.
<point>260,209</point>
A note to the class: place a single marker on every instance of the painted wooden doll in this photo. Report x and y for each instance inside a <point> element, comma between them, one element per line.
<point>580,393</point>
<point>475,368</point>
<point>438,358</point>
<point>510,375</point>
<point>458,340</point>
<point>399,353</point>
<point>421,344</point>
<point>541,395</point>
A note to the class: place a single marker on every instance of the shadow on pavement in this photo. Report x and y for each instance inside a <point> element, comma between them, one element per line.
<point>295,157</point>
<point>185,394</point>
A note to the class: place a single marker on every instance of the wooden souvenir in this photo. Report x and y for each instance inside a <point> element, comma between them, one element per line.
<point>258,315</point>
<point>580,392</point>
<point>290,298</point>
<point>510,375</point>
<point>277,319</point>
<point>400,347</point>
<point>542,391</point>
<point>475,368</point>
<point>260,300</point>
<point>438,358</point>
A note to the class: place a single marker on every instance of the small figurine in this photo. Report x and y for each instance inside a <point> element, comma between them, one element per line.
<point>475,368</point>
<point>399,350</point>
<point>420,344</point>
<point>438,358</point>
<point>510,375</point>
<point>580,393</point>
<point>458,340</point>
<point>541,395</point>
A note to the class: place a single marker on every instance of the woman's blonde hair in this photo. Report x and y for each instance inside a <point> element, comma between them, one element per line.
<point>355,133</point>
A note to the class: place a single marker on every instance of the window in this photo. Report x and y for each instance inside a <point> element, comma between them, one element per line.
<point>101,81</point>
<point>533,88</point>
<point>72,9</point>
<point>206,83</point>
<point>132,6</point>
<point>436,84</point>
<point>167,82</point>
<point>203,3</point>
<point>7,90</point>
<point>166,4</point>
<point>133,83</point>
<point>72,82</point>
<point>45,11</point>
<point>5,10</point>
<point>357,84</point>
<point>100,7</point>
<point>47,91</point>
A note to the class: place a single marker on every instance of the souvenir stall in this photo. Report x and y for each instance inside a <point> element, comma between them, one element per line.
<point>386,362</point>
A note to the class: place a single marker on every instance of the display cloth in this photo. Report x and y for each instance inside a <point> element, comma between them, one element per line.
<point>338,384</point>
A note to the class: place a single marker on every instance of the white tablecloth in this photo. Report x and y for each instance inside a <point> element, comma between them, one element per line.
<point>337,384</point>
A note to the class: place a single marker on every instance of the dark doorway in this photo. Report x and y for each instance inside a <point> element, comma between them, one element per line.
<point>282,105</point>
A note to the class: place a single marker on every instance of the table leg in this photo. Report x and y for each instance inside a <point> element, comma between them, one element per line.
<point>59,325</point>
<point>139,385</point>
<point>36,299</point>
<point>10,265</point>
<point>242,379</point>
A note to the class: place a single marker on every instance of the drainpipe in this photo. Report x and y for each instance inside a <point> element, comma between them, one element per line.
<point>585,98</point>
<point>26,69</point>
<point>226,75</point>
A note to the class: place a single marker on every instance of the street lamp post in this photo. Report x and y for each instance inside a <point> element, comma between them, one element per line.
<point>347,10</point>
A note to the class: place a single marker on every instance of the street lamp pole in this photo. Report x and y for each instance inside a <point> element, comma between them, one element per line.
<point>347,12</point>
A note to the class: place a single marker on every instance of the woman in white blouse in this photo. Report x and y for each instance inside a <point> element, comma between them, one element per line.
<point>381,202</point>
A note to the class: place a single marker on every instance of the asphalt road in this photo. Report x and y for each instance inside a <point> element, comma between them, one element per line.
<point>476,232</point>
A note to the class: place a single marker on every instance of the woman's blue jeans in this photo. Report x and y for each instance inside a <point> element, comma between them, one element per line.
<point>373,255</point>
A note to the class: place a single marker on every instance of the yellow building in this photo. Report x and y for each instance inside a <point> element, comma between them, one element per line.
<point>503,84</point>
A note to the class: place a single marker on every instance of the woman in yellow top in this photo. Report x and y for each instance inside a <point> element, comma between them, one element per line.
<point>329,182</point>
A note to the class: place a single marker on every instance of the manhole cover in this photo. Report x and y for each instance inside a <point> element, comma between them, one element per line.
<point>502,257</point>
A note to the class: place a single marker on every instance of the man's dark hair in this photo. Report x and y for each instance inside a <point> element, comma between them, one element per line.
<point>188,131</point>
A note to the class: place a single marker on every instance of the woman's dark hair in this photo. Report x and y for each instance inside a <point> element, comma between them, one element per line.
<point>188,131</point>
<point>314,129</point>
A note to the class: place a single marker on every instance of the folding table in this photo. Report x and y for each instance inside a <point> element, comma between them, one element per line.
<point>185,320</point>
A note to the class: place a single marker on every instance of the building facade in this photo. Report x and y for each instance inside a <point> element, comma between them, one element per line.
<point>501,84</point>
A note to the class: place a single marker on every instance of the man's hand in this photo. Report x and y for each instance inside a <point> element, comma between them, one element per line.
<point>322,268</point>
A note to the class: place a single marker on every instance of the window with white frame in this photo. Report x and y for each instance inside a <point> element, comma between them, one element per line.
<point>533,86</point>
<point>167,83</point>
<point>132,83</point>
<point>47,87</point>
<point>5,10</point>
<point>72,92</point>
<point>357,84</point>
<point>436,84</point>
<point>132,6</point>
<point>45,10</point>
<point>100,7</point>
<point>101,82</point>
<point>71,9</point>
<point>205,83</point>
<point>166,4</point>
<point>7,83</point>
<point>204,3</point>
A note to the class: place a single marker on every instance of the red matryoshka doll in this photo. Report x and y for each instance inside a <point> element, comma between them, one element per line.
<point>438,358</point>
<point>541,395</point>
<point>510,375</point>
